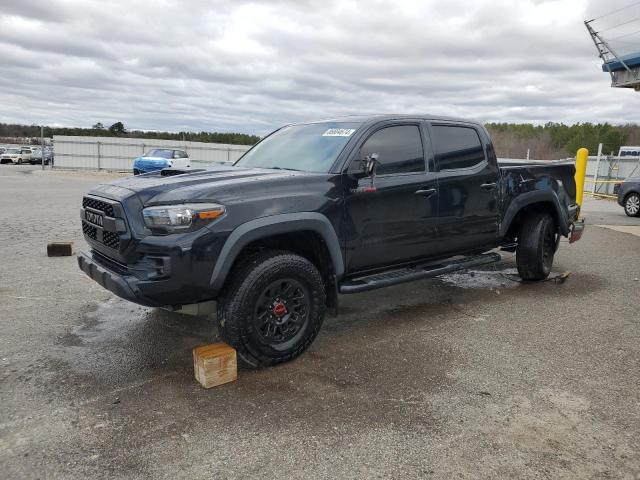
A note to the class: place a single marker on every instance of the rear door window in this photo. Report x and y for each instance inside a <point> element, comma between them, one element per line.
<point>457,147</point>
<point>399,149</point>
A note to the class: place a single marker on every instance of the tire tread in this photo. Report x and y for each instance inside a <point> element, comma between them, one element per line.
<point>231,303</point>
<point>530,245</point>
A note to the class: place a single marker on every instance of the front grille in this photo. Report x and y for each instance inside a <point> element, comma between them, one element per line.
<point>105,231</point>
<point>89,230</point>
<point>111,240</point>
<point>95,204</point>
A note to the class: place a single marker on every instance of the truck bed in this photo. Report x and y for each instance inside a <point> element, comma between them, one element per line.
<point>523,180</point>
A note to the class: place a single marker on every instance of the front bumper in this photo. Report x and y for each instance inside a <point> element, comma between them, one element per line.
<point>148,166</point>
<point>140,283</point>
<point>123,286</point>
<point>152,270</point>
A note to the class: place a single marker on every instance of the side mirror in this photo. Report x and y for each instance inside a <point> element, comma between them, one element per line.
<point>370,165</point>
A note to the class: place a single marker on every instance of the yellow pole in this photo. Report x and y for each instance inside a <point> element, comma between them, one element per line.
<point>581,171</point>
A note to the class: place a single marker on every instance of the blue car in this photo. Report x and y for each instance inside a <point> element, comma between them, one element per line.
<point>160,158</point>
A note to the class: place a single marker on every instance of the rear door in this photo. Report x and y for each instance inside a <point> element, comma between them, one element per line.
<point>468,209</point>
<point>391,220</point>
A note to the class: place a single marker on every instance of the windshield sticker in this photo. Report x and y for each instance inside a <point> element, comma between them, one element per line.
<point>339,132</point>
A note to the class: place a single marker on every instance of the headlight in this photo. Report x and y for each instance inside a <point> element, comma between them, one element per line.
<point>178,218</point>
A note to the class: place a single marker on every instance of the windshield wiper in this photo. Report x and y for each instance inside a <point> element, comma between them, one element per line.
<point>285,168</point>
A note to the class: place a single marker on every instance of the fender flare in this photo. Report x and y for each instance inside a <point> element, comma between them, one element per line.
<point>528,198</point>
<point>263,227</point>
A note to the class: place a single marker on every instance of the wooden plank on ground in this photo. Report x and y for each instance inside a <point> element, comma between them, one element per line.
<point>60,249</point>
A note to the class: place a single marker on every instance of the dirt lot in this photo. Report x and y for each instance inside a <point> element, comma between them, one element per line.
<point>474,375</point>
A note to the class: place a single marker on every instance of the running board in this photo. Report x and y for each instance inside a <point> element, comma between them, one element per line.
<point>417,272</point>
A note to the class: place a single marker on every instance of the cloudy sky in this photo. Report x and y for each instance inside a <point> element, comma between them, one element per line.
<point>250,66</point>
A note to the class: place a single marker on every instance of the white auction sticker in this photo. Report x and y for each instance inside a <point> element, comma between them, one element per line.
<point>339,132</point>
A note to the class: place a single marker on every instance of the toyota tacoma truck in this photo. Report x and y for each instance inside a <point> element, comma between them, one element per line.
<point>319,209</point>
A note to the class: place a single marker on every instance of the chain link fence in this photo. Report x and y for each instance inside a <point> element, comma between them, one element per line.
<point>605,173</point>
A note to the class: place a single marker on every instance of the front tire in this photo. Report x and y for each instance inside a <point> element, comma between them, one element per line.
<point>272,307</point>
<point>632,205</point>
<point>19,161</point>
<point>536,247</point>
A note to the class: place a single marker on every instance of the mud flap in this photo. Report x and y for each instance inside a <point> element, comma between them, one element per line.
<point>332,296</point>
<point>576,231</point>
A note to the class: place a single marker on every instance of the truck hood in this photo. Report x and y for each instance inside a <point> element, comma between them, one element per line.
<point>223,184</point>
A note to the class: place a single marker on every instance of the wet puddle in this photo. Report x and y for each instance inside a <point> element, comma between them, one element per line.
<point>483,279</point>
<point>121,339</point>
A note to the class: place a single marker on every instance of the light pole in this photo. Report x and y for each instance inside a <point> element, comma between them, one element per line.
<point>42,145</point>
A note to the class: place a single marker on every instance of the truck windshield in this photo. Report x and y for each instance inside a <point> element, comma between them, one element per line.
<point>309,147</point>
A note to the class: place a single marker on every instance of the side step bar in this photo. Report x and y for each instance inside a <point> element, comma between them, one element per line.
<point>417,272</point>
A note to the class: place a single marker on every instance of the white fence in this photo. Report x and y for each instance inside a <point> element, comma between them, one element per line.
<point>604,173</point>
<point>111,153</point>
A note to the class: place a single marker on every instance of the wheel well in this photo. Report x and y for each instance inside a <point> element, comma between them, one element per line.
<point>631,192</point>
<point>307,243</point>
<point>528,210</point>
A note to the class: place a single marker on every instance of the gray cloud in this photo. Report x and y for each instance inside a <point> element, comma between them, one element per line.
<point>251,66</point>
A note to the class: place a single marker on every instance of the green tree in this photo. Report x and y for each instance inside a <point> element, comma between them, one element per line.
<point>117,129</point>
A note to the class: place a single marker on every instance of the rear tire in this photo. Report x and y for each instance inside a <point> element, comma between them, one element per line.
<point>632,205</point>
<point>536,247</point>
<point>272,307</point>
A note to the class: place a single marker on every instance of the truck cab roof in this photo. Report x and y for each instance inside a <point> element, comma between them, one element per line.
<point>375,118</point>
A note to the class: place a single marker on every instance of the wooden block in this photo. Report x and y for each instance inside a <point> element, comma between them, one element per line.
<point>215,364</point>
<point>60,249</point>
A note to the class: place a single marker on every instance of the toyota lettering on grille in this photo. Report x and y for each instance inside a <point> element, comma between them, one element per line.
<point>94,218</point>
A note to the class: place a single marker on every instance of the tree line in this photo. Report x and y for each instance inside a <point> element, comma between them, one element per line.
<point>557,140</point>
<point>512,140</point>
<point>8,132</point>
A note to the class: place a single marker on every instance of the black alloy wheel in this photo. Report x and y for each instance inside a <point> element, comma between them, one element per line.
<point>281,312</point>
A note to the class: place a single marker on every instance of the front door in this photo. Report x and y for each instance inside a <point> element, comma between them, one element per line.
<point>391,220</point>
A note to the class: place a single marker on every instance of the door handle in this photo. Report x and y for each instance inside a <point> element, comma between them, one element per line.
<point>426,192</point>
<point>488,186</point>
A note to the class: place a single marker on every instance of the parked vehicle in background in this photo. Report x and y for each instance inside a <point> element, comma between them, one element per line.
<point>2,150</point>
<point>317,209</point>
<point>36,155</point>
<point>16,155</point>
<point>629,152</point>
<point>629,196</point>
<point>160,158</point>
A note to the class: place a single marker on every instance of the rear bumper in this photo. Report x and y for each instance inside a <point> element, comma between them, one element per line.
<point>576,231</point>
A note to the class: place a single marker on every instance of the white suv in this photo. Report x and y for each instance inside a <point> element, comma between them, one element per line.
<point>16,155</point>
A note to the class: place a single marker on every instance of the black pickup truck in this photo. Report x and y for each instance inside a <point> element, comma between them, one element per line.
<point>320,209</point>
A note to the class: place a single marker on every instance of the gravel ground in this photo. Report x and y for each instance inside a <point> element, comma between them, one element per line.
<point>473,375</point>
